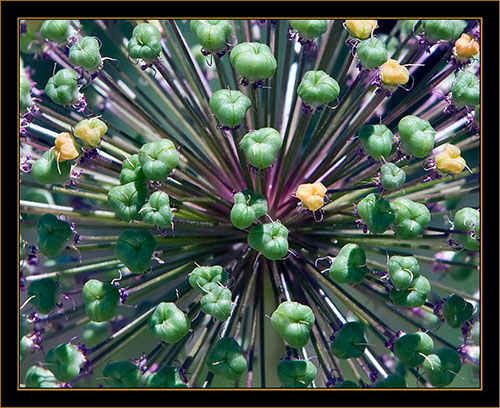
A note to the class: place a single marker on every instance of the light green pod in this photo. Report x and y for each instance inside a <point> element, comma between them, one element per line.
<point>62,88</point>
<point>157,210</point>
<point>293,321</point>
<point>261,146</point>
<point>372,53</point>
<point>402,270</point>
<point>127,200</point>
<point>296,373</point>
<point>468,219</point>
<point>46,169</point>
<point>376,139</point>
<point>376,213</point>
<point>227,359</point>
<point>217,303</point>
<point>145,42</point>
<point>85,53</point>
<point>158,159</point>
<point>466,90</point>
<point>207,278</point>
<point>213,35</point>
<point>410,218</point>
<point>439,30</point>
<point>64,361</point>
<point>270,239</point>
<point>416,135</point>
<point>248,207</point>
<point>318,88</point>
<point>253,60</point>
<point>349,266</point>
<point>229,106</point>
<point>391,176</point>
<point>168,323</point>
<point>132,171</point>
<point>100,299</point>
<point>310,29</point>
<point>24,94</point>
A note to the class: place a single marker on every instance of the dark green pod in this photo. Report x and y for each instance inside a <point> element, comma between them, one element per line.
<point>135,249</point>
<point>227,359</point>
<point>100,299</point>
<point>349,341</point>
<point>349,266</point>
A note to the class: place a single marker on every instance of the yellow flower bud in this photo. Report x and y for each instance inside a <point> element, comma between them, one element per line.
<point>90,131</point>
<point>65,147</point>
<point>449,160</point>
<point>361,29</point>
<point>311,195</point>
<point>466,47</point>
<point>392,74</point>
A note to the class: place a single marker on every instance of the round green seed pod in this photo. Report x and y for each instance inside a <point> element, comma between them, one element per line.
<point>376,213</point>
<point>39,377</point>
<point>349,341</point>
<point>460,273</point>
<point>207,278</point>
<point>439,30</point>
<point>414,296</point>
<point>56,30</point>
<point>459,26</point>
<point>157,210</point>
<point>85,53</point>
<point>270,239</point>
<point>145,42</point>
<point>62,88</point>
<point>29,43</point>
<point>54,235</point>
<point>64,361</point>
<point>217,303</point>
<point>127,200</point>
<point>166,377</point>
<point>135,249</point>
<point>253,60</point>
<point>248,207</point>
<point>407,27</point>
<point>411,218</point>
<point>122,374</point>
<point>212,34</point>
<point>158,159</point>
<point>260,146</point>
<point>318,88</point>
<point>90,131</point>
<point>416,135</point>
<point>168,323</point>
<point>46,292</point>
<point>24,94</point>
<point>346,384</point>
<point>441,367</point>
<point>376,139</point>
<point>349,266</point>
<point>100,299</point>
<point>402,270</point>
<point>227,359</point>
<point>466,90</point>
<point>468,219</point>
<point>412,349</point>
<point>392,381</point>
<point>456,311</point>
<point>310,29</point>
<point>391,176</point>
<point>372,53</point>
<point>296,373</point>
<point>293,321</point>
<point>229,107</point>
<point>94,333</point>
<point>132,170</point>
<point>46,170</point>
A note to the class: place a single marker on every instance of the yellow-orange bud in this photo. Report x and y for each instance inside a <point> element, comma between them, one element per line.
<point>466,47</point>
<point>311,195</point>
<point>449,160</point>
<point>361,29</point>
<point>393,74</point>
<point>65,147</point>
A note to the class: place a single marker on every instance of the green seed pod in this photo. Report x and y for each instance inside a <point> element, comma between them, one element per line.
<point>145,42</point>
<point>468,219</point>
<point>416,135</point>
<point>318,88</point>
<point>414,296</point>
<point>158,159</point>
<point>135,249</point>
<point>253,60</point>
<point>90,131</point>
<point>349,341</point>
<point>392,381</point>
<point>165,377</point>
<point>376,213</point>
<point>157,210</point>
<point>442,367</point>
<point>46,292</point>
<point>270,239</point>
<point>54,235</point>
<point>293,321</point>
<point>439,30</point>
<point>457,311</point>
<point>296,373</point>
<point>101,300</point>
<point>376,139</point>
<point>26,346</point>
<point>24,94</point>
<point>411,218</point>
<point>460,273</point>
<point>30,43</point>
<point>260,146</point>
<point>402,270</point>
<point>459,26</point>
<point>227,359</point>
<point>372,53</point>
<point>38,377</point>
<point>310,29</point>
<point>349,266</point>
<point>168,323</point>
<point>132,170</point>
<point>56,30</point>
<point>212,34</point>
<point>407,27</point>
<point>127,200</point>
<point>217,303</point>
<point>46,169</point>
<point>94,333</point>
<point>412,349</point>
<point>248,207</point>
<point>346,384</point>
<point>65,361</point>
<point>229,106</point>
<point>122,374</point>
<point>391,176</point>
<point>207,278</point>
<point>466,90</point>
<point>62,88</point>
<point>85,53</point>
